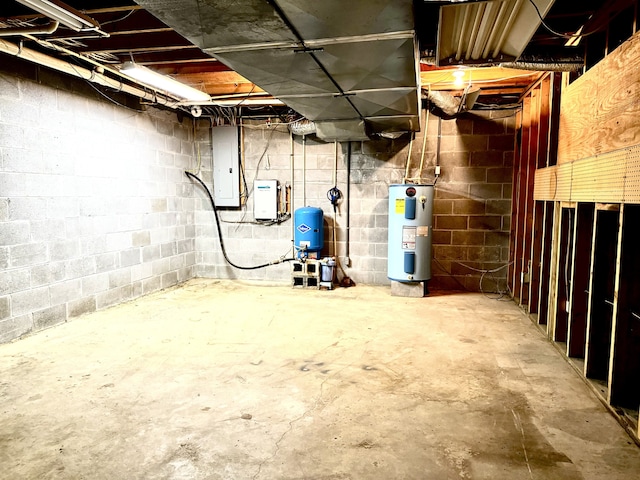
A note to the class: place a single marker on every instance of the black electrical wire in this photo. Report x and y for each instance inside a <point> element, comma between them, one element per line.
<point>224,251</point>
<point>560,34</point>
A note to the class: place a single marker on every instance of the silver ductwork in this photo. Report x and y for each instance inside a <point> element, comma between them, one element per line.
<point>452,105</point>
<point>352,68</point>
<point>302,127</point>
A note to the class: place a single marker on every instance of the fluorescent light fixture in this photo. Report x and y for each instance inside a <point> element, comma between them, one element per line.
<point>163,83</point>
<point>63,13</point>
<point>487,31</point>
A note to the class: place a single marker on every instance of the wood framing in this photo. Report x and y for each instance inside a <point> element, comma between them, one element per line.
<point>580,253</point>
<point>532,151</point>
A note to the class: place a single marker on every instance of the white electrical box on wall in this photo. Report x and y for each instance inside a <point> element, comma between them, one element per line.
<point>226,166</point>
<point>265,199</point>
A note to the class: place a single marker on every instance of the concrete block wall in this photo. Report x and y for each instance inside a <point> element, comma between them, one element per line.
<point>267,151</point>
<point>471,210</point>
<point>472,207</point>
<point>94,206</point>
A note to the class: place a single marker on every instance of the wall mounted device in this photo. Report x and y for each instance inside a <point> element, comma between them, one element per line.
<point>265,199</point>
<point>410,232</point>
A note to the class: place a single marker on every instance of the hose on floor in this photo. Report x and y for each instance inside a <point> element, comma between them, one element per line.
<point>224,250</point>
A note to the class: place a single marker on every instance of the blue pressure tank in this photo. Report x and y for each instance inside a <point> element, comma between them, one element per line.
<point>308,237</point>
<point>410,232</point>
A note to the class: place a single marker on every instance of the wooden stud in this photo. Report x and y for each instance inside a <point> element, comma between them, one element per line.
<point>532,161</point>
<point>602,289</point>
<point>615,313</point>
<point>553,274</point>
<point>511,269</point>
<point>520,186</point>
<point>536,257</point>
<point>624,391</point>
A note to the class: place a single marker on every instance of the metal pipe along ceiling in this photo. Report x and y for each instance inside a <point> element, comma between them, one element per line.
<point>350,73</point>
<point>80,72</point>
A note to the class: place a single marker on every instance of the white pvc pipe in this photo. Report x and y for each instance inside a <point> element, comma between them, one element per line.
<point>335,163</point>
<point>34,56</point>
<point>406,170</point>
<point>47,29</point>
<point>304,170</point>
<point>424,143</point>
<point>291,193</point>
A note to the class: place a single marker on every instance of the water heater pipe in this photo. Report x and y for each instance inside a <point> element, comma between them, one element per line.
<point>406,170</point>
<point>424,143</point>
<point>439,141</point>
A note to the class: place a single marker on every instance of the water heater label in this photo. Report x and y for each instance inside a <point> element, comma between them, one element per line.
<point>400,206</point>
<point>408,238</point>
<point>423,231</point>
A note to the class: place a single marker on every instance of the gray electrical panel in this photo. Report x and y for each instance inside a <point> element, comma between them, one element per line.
<point>226,166</point>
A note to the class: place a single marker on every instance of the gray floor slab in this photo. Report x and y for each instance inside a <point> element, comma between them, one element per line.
<point>231,380</point>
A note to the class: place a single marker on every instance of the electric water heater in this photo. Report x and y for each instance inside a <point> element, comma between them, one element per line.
<point>410,232</point>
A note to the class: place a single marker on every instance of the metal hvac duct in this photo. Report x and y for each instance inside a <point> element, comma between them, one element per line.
<point>351,67</point>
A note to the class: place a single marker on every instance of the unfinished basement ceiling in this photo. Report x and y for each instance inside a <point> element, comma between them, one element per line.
<point>359,71</point>
<point>351,67</point>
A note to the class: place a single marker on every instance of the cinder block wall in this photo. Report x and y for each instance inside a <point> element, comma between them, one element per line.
<point>472,205</point>
<point>472,201</point>
<point>94,206</point>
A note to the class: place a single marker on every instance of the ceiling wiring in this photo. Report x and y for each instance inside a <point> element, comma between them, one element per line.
<point>576,35</point>
<point>118,19</point>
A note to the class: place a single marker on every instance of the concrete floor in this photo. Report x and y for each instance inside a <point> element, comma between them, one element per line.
<point>226,380</point>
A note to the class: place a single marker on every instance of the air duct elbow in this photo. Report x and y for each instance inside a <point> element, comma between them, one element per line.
<point>302,127</point>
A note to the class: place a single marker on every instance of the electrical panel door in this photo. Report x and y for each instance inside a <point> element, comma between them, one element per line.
<point>226,166</point>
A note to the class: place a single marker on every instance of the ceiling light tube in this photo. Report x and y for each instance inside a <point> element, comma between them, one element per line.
<point>60,12</point>
<point>164,83</point>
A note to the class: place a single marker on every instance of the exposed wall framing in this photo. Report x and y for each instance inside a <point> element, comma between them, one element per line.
<point>579,279</point>
<point>535,148</point>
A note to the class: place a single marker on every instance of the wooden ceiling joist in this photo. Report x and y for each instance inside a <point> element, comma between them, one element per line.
<point>167,48</point>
